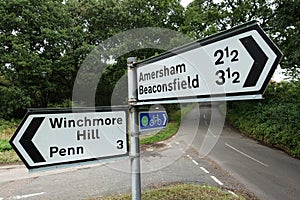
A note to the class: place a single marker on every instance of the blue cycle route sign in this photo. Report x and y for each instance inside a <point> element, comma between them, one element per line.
<point>152,120</point>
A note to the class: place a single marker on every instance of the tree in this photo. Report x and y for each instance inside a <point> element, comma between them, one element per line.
<point>279,18</point>
<point>33,44</point>
<point>13,102</point>
<point>203,18</point>
<point>43,44</point>
<point>285,26</point>
<point>104,19</point>
<point>235,12</point>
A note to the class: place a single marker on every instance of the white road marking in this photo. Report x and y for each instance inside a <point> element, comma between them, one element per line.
<point>209,129</point>
<point>194,161</point>
<point>1,198</point>
<point>203,169</point>
<point>211,133</point>
<point>231,192</point>
<point>247,155</point>
<point>204,116</point>
<point>26,196</point>
<point>216,180</point>
<point>207,172</point>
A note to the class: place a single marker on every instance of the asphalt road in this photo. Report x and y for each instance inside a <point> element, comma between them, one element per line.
<point>269,173</point>
<point>219,156</point>
<point>167,162</point>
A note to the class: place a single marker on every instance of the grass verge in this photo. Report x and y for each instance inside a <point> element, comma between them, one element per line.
<point>9,157</point>
<point>172,126</point>
<point>180,191</point>
<point>7,129</point>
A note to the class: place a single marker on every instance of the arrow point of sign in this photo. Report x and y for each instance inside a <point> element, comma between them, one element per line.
<point>259,57</point>
<point>165,119</point>
<point>26,140</point>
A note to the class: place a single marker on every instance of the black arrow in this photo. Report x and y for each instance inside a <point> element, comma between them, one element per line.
<point>259,57</point>
<point>26,140</point>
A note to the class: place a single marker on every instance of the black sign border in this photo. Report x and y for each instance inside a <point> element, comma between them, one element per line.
<point>252,25</point>
<point>33,111</point>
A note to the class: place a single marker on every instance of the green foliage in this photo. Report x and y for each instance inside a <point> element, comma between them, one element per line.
<point>170,130</point>
<point>35,49</point>
<point>285,29</point>
<point>9,157</point>
<point>44,43</point>
<point>203,18</point>
<point>67,103</point>
<point>238,12</point>
<point>7,128</point>
<point>4,146</point>
<point>279,18</point>
<point>274,120</point>
<point>12,102</point>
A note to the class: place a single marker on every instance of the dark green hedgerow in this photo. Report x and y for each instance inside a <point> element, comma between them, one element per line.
<point>274,120</point>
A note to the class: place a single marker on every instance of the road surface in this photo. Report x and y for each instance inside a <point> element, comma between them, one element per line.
<point>269,173</point>
<point>232,162</point>
<point>166,162</point>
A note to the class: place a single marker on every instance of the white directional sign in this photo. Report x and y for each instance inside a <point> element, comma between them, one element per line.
<point>233,63</point>
<point>59,137</point>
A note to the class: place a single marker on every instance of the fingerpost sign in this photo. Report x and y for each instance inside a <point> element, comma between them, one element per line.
<point>48,138</point>
<point>231,65</point>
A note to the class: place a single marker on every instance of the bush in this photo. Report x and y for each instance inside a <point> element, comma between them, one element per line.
<point>4,145</point>
<point>274,120</point>
<point>7,128</point>
<point>67,103</point>
<point>13,101</point>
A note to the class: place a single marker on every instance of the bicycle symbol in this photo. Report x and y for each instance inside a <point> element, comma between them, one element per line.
<point>155,120</point>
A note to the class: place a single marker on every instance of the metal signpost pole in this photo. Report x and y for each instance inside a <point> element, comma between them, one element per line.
<point>134,132</point>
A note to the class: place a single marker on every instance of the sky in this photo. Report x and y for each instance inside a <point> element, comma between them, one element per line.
<point>184,3</point>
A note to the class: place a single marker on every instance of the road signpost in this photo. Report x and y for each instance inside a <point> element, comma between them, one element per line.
<point>152,120</point>
<point>48,138</point>
<point>231,65</point>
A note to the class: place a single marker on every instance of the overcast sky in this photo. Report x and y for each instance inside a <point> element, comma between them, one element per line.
<point>184,3</point>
